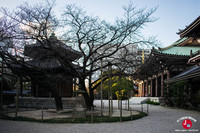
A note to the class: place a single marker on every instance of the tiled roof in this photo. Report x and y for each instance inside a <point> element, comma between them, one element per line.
<point>158,62</point>
<point>189,28</point>
<point>43,50</point>
<point>177,50</point>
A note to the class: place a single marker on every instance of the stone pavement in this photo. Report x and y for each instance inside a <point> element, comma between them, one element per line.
<point>160,120</point>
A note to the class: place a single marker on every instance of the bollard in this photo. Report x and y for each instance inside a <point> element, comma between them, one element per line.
<point>147,108</point>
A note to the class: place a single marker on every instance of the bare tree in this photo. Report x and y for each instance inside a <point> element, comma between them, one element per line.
<point>99,40</point>
<point>96,40</point>
<point>28,25</point>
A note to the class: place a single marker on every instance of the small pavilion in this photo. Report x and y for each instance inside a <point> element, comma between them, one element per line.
<point>48,69</point>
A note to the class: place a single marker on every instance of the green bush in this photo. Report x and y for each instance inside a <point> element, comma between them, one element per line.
<point>153,103</point>
<point>179,93</point>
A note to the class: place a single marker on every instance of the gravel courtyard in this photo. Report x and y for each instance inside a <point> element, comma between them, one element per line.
<point>160,120</point>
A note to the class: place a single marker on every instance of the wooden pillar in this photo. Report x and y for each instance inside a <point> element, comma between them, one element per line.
<point>156,86</point>
<point>162,85</point>
<point>168,74</point>
<point>151,87</point>
<point>37,91</point>
<point>143,89</point>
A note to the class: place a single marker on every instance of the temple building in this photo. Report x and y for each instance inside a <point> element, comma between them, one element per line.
<point>168,62</point>
<point>47,69</point>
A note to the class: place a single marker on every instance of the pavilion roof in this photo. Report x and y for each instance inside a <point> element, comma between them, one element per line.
<point>158,62</point>
<point>39,68</point>
<point>42,50</point>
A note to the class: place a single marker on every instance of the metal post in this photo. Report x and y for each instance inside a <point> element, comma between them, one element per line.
<point>37,91</point>
<point>120,97</point>
<point>101,90</point>
<point>42,114</point>
<point>6,110</point>
<point>131,113</point>
<point>17,100</point>
<point>111,93</point>
<point>109,90</point>
<point>1,108</point>
<point>142,107</point>
<point>128,104</point>
<point>109,112</point>
<point>92,116</point>
<point>21,86</point>
<point>121,110</point>
<point>147,108</point>
<point>125,107</point>
<point>26,104</point>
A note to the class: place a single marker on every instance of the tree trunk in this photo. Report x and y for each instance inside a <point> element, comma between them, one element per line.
<point>57,98</point>
<point>88,99</point>
<point>91,96</point>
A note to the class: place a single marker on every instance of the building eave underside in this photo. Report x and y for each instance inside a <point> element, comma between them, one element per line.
<point>194,72</point>
<point>35,70</point>
<point>158,62</point>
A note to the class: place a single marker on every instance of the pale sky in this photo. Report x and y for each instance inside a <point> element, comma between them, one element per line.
<point>173,14</point>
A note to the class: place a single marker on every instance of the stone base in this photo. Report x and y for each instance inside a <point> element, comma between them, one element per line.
<point>79,113</point>
<point>33,102</point>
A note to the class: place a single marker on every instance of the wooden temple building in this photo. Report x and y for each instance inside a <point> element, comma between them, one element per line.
<point>165,63</point>
<point>49,69</point>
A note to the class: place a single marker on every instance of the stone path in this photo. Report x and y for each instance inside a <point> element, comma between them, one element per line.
<point>160,120</point>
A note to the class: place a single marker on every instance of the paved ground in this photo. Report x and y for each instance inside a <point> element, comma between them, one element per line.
<point>160,120</point>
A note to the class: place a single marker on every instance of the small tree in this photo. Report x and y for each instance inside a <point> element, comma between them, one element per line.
<point>126,85</point>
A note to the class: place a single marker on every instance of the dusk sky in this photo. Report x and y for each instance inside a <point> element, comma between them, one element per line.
<point>172,14</point>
